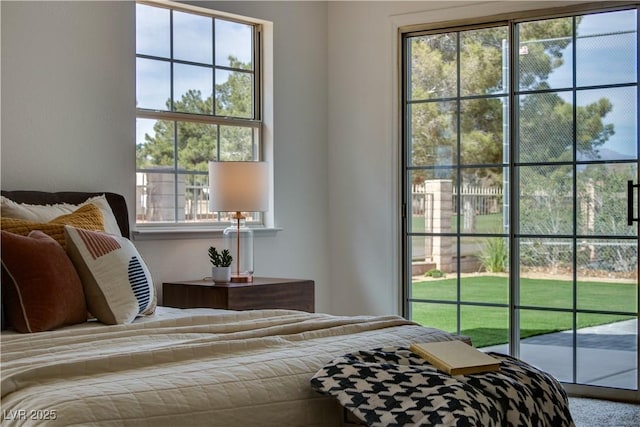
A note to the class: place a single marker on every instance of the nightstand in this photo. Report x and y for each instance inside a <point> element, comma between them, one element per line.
<point>262,293</point>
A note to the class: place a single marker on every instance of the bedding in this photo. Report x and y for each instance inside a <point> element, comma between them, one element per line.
<point>40,285</point>
<point>87,217</point>
<point>195,367</point>
<point>69,201</point>
<point>393,386</point>
<point>26,210</point>
<point>47,212</point>
<point>117,284</point>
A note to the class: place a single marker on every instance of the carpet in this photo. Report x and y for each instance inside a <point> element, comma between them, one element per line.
<point>603,413</point>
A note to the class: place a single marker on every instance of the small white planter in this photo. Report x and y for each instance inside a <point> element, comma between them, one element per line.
<point>221,274</point>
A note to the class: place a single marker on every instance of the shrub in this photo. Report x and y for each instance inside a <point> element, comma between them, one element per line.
<point>435,273</point>
<point>495,255</point>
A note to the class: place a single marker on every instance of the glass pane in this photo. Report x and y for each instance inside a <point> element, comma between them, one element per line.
<point>192,38</point>
<point>546,342</point>
<point>196,145</point>
<point>154,144</point>
<point>433,134</point>
<point>418,248</point>
<point>237,144</point>
<point>419,252</point>
<point>607,354</point>
<point>607,124</point>
<point>607,275</point>
<point>545,54</point>
<point>488,255</point>
<point>493,257</point>
<point>433,66</point>
<point>152,31</point>
<point>153,84</point>
<point>481,196</point>
<point>545,200</point>
<point>441,316</point>
<point>486,326</point>
<point>197,199</point>
<point>234,94</point>
<point>192,89</point>
<point>483,61</point>
<point>432,206</point>
<point>606,48</point>
<point>602,199</point>
<point>546,267</point>
<point>155,197</point>
<point>421,203</point>
<point>482,122</point>
<point>234,44</point>
<point>426,266</point>
<point>545,124</point>
<point>432,257</point>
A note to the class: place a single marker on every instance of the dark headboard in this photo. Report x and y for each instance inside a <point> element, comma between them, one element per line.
<point>116,201</point>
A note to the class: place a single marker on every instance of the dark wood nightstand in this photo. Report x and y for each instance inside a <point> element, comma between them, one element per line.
<point>262,293</point>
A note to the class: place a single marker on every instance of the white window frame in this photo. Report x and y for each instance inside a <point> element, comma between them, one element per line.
<point>262,122</point>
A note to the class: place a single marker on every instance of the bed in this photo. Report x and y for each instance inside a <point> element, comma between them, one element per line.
<point>185,366</point>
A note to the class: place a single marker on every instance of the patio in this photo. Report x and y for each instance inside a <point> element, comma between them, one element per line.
<point>606,356</point>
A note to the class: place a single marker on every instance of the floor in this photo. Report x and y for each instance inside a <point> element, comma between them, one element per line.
<point>603,413</point>
<point>606,356</point>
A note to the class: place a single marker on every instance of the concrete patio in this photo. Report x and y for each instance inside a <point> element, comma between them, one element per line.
<point>606,354</point>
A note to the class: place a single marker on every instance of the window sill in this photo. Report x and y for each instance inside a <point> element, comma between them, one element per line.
<point>186,233</point>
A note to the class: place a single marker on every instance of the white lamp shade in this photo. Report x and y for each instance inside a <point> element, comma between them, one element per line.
<point>238,186</point>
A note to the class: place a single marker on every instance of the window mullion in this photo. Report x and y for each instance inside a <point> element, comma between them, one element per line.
<point>198,118</point>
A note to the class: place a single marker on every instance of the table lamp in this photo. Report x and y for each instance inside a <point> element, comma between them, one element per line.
<point>239,187</point>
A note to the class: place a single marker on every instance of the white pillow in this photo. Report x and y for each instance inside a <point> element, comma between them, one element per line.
<point>45,213</point>
<point>117,283</point>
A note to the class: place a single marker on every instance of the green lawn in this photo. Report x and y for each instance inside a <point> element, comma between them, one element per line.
<point>489,325</point>
<point>490,223</point>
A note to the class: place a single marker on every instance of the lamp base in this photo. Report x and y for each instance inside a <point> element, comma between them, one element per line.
<point>241,279</point>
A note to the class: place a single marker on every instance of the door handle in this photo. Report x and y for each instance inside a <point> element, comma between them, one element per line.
<point>630,187</point>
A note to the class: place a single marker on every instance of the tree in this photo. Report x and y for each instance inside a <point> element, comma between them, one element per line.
<point>603,211</point>
<point>197,143</point>
<point>434,71</point>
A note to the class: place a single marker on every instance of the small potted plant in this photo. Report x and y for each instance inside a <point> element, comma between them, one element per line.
<point>221,261</point>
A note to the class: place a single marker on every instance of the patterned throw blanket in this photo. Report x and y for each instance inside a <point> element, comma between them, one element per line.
<point>394,387</point>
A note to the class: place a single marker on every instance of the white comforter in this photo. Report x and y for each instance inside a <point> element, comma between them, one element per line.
<point>188,367</point>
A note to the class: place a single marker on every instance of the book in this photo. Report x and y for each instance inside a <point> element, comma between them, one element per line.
<point>456,357</point>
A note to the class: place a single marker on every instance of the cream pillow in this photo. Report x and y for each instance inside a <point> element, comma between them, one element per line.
<point>45,213</point>
<point>117,283</point>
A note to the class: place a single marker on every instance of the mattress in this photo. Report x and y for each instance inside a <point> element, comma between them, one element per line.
<point>193,367</point>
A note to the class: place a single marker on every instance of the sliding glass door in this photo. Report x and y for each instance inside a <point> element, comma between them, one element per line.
<point>520,141</point>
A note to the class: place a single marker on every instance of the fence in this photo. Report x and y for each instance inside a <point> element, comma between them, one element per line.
<point>479,200</point>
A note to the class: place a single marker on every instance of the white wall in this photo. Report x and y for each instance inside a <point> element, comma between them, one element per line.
<point>68,123</point>
<point>68,96</point>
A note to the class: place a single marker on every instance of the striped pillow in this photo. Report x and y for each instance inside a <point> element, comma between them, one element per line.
<point>87,216</point>
<point>116,281</point>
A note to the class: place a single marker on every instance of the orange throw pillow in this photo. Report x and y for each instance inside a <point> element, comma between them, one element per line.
<point>87,217</point>
<point>41,289</point>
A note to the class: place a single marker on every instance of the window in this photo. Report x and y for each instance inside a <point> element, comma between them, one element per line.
<point>519,139</point>
<point>197,100</point>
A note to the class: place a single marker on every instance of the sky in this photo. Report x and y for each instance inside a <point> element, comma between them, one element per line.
<point>602,59</point>
<point>606,59</point>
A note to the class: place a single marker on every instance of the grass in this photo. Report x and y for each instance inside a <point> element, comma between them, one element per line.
<point>489,223</point>
<point>489,325</point>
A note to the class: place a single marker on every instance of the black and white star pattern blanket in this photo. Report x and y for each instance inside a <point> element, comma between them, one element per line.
<point>393,386</point>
